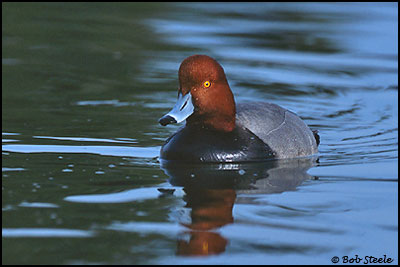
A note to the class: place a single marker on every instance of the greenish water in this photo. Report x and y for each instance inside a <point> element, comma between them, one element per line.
<point>83,86</point>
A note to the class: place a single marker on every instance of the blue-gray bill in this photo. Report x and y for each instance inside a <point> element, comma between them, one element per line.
<point>182,109</point>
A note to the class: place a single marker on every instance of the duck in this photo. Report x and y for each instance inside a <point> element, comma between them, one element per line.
<point>218,130</point>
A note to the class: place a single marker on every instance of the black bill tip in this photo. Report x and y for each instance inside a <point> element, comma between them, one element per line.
<point>167,119</point>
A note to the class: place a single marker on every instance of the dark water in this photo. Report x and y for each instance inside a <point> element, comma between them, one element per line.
<point>83,88</point>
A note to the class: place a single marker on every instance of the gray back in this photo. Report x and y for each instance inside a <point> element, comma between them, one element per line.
<point>282,130</point>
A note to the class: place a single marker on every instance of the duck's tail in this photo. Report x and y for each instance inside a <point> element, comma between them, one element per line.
<point>316,136</point>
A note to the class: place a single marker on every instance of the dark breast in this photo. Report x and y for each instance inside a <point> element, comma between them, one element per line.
<point>197,144</point>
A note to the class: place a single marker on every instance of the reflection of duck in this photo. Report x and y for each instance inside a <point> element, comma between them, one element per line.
<point>211,208</point>
<point>267,177</point>
<point>211,193</point>
<point>218,130</point>
<point>202,243</point>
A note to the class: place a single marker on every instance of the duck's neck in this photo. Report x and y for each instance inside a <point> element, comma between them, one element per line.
<point>222,119</point>
<point>219,123</point>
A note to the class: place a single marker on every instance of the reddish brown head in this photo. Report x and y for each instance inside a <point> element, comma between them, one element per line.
<point>204,79</point>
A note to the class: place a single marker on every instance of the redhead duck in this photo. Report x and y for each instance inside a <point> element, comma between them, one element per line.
<point>218,130</point>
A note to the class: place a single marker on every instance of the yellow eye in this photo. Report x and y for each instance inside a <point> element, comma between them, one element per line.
<point>207,84</point>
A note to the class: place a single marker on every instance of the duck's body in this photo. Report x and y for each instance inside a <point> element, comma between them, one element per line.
<point>263,131</point>
<point>218,130</point>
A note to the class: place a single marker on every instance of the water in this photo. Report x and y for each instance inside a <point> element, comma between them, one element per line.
<point>84,86</point>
